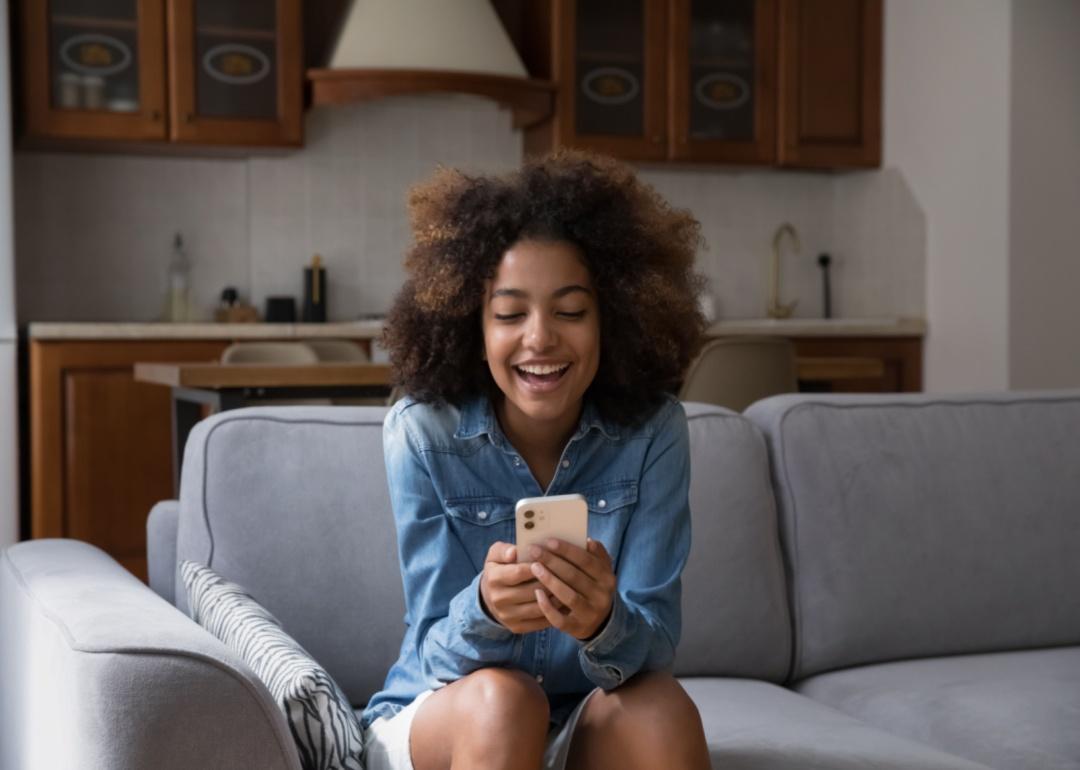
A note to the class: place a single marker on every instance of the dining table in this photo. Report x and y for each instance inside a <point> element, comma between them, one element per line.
<point>200,389</point>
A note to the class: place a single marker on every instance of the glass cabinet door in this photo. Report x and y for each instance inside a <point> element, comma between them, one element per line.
<point>235,74</point>
<point>94,68</point>
<point>724,76</point>
<point>615,58</point>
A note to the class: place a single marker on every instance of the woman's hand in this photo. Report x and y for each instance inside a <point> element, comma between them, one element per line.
<point>581,582</point>
<point>507,590</point>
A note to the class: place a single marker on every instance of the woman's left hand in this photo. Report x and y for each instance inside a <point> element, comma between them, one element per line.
<point>581,579</point>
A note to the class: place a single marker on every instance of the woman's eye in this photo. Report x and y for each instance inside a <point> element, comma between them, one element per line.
<point>573,316</point>
<point>508,316</point>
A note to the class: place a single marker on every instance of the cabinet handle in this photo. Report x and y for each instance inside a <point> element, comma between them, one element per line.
<point>190,117</point>
<point>155,115</point>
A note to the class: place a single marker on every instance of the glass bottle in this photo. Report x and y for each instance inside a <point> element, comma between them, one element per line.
<point>179,282</point>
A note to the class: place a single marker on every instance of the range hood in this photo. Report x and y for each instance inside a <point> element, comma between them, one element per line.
<point>390,47</point>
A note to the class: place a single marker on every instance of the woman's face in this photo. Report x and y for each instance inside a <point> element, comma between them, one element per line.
<point>542,330</point>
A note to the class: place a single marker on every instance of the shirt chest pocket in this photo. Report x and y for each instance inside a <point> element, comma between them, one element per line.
<point>617,497</point>
<point>481,521</point>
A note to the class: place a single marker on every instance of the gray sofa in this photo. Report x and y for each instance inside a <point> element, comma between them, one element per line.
<point>875,582</point>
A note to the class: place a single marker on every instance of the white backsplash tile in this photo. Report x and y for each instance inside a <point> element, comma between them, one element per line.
<point>93,231</point>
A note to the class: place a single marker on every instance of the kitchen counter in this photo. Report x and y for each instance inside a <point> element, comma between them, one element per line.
<point>370,329</point>
<point>44,331</point>
<point>820,327</point>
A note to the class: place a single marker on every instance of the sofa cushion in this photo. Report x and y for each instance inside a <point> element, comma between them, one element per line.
<point>324,728</point>
<point>1015,710</point>
<point>753,725</point>
<point>918,525</point>
<point>291,502</point>
<point>734,600</point>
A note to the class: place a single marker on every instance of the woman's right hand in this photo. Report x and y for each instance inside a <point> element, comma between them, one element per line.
<point>508,591</point>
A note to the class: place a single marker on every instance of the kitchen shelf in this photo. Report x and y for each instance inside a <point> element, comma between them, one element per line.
<point>93,22</point>
<point>531,100</point>
<point>237,33</point>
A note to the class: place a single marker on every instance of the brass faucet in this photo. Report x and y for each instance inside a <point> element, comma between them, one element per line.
<point>776,309</point>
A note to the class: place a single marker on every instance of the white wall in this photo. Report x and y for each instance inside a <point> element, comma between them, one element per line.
<point>94,230</point>
<point>946,127</point>
<point>1044,270</point>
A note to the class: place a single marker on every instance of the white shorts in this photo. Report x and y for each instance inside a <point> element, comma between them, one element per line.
<point>386,740</point>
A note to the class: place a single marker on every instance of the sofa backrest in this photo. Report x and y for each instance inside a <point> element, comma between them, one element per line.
<point>919,525</point>
<point>734,605</point>
<point>292,504</point>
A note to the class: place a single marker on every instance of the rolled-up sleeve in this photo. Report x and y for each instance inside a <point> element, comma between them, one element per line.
<point>454,635</point>
<point>645,623</point>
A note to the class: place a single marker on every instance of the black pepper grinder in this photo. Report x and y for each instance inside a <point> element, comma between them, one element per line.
<point>314,310</point>
<point>823,261</point>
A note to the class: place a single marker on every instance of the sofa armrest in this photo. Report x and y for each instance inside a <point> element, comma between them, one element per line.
<point>99,671</point>
<point>161,548</point>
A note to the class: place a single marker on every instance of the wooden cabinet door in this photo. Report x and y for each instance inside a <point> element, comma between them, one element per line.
<point>235,72</point>
<point>101,443</point>
<point>611,68</point>
<point>722,80</point>
<point>94,69</point>
<point>830,83</point>
<point>899,359</point>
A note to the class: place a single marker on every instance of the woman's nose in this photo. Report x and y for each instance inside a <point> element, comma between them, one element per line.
<point>539,335</point>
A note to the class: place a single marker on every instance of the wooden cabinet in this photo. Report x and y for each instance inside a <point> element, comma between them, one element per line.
<point>861,364</point>
<point>765,82</point>
<point>207,72</point>
<point>101,443</point>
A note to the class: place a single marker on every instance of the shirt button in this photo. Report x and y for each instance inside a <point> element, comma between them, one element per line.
<point>540,678</point>
<point>481,515</point>
<point>566,463</point>
<point>601,503</point>
<point>517,461</point>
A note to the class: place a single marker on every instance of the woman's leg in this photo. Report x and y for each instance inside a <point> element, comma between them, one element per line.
<point>493,718</point>
<point>648,722</point>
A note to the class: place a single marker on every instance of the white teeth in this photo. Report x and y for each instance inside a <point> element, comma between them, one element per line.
<point>543,368</point>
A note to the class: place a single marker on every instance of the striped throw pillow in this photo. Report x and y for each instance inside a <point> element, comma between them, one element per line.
<point>324,727</point>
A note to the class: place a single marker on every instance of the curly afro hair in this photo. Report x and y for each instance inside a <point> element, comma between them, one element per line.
<point>639,252</point>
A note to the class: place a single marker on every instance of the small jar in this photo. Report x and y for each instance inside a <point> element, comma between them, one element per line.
<point>93,92</point>
<point>69,91</point>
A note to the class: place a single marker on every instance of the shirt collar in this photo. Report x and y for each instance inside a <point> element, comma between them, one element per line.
<point>478,418</point>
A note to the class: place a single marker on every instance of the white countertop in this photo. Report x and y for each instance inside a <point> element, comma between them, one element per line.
<point>820,327</point>
<point>201,331</point>
<point>787,327</point>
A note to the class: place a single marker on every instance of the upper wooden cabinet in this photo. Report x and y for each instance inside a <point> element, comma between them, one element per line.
<point>209,72</point>
<point>765,82</point>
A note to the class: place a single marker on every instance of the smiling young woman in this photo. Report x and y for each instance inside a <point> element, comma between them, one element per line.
<point>547,317</point>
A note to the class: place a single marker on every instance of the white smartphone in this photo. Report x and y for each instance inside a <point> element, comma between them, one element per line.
<point>565,517</point>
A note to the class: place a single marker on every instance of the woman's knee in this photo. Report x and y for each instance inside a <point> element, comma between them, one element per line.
<point>502,694</point>
<point>650,701</point>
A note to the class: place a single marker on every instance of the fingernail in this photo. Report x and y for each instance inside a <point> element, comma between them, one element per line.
<point>509,552</point>
<point>553,544</point>
<point>537,569</point>
<point>534,552</point>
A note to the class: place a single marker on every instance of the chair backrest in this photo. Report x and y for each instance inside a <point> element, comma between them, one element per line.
<point>337,350</point>
<point>265,352</point>
<point>734,372</point>
<point>921,525</point>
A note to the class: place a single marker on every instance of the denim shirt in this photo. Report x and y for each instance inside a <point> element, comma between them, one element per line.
<point>454,480</point>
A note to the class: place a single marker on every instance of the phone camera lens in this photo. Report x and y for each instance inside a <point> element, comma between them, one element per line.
<point>529,525</point>
<point>529,514</point>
